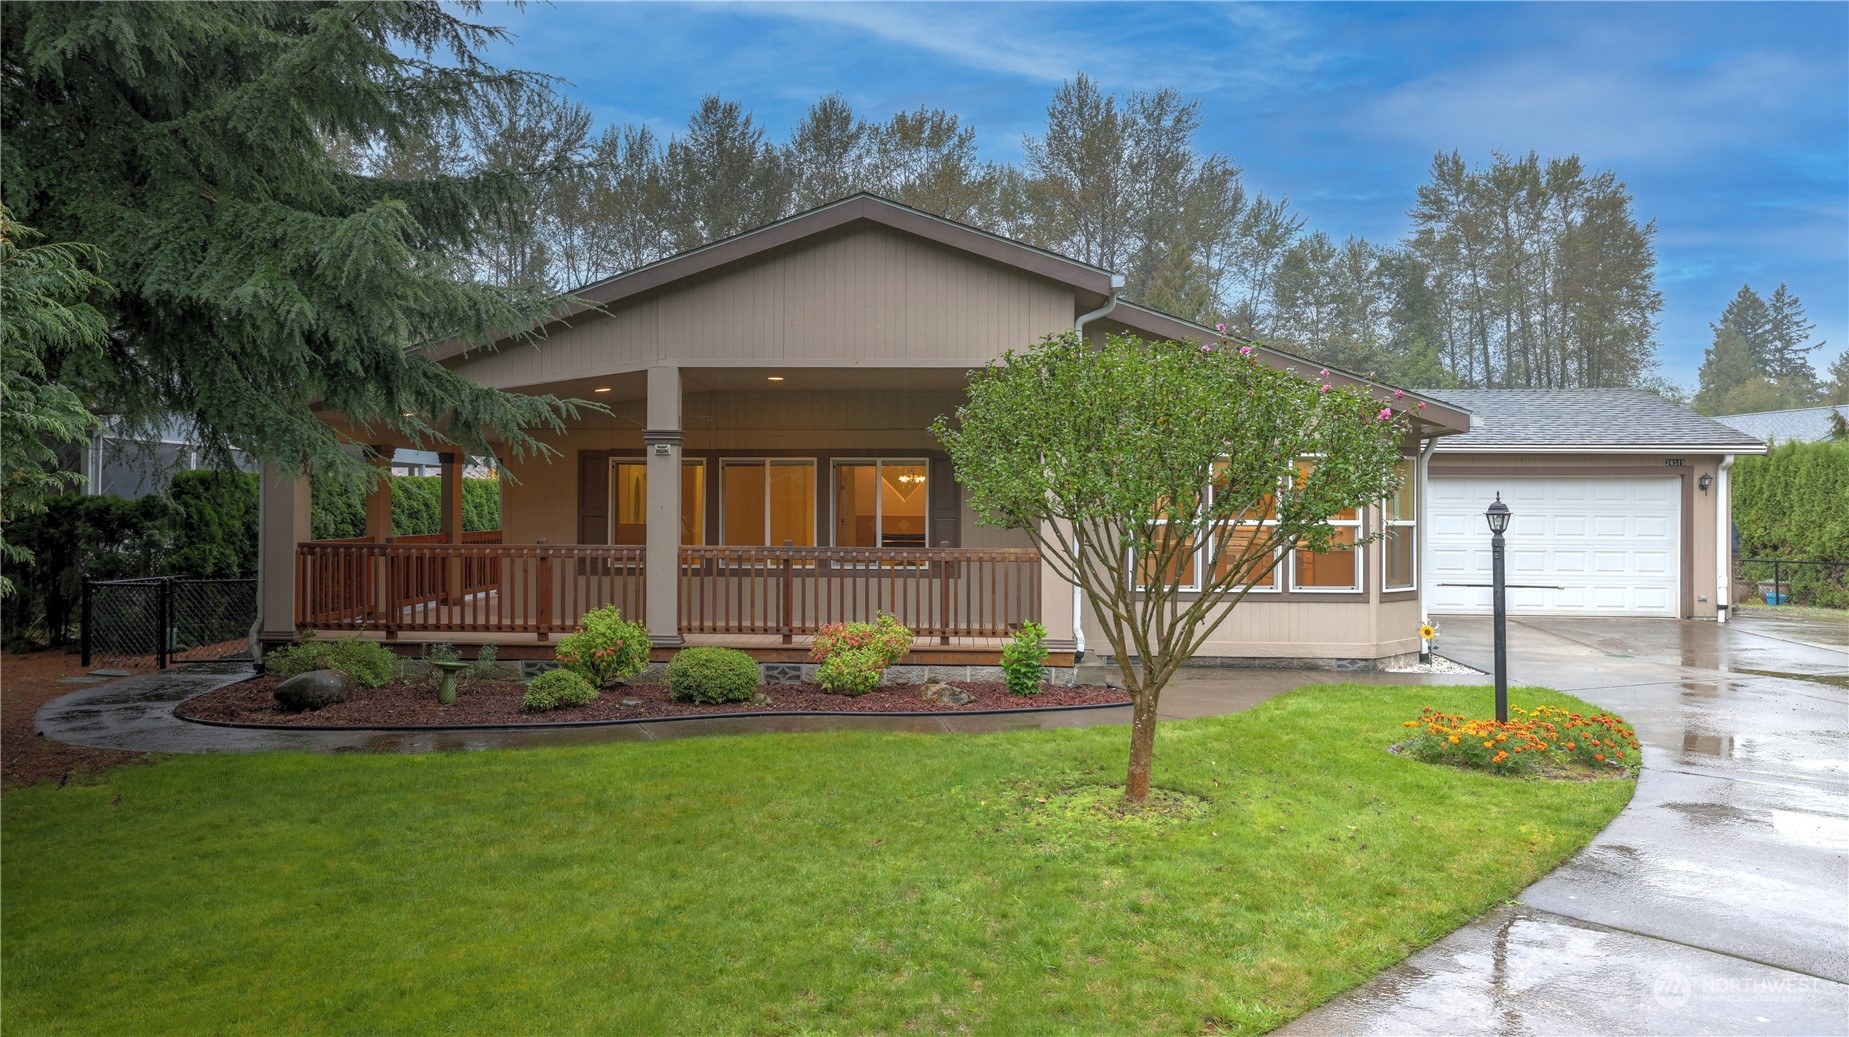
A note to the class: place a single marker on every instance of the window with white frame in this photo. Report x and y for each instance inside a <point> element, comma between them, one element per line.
<point>766,501</point>
<point>1337,569</point>
<point>1242,534</point>
<point>1400,512</point>
<point>880,502</point>
<point>1229,548</point>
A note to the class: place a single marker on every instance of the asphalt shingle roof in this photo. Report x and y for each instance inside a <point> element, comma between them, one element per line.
<point>1591,419</point>
<point>1800,425</point>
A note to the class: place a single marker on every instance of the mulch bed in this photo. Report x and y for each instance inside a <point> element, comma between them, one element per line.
<point>486,702</point>
<point>27,681</point>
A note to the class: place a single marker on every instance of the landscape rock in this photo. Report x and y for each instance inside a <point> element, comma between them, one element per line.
<point>315,689</point>
<point>947,694</point>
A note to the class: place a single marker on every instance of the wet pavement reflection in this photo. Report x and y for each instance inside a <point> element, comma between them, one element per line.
<point>1718,901</point>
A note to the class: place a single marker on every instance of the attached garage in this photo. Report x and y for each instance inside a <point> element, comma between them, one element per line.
<point>1619,500</point>
<point>1590,546</point>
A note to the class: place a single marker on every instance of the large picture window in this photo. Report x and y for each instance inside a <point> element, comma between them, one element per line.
<point>767,501</point>
<point>1399,553</point>
<point>880,503</point>
<point>1337,569</point>
<point>629,502</point>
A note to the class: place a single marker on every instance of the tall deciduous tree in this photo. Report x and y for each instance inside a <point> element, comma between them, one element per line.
<point>1548,278</point>
<point>927,159</point>
<point>253,279</point>
<point>529,132</point>
<point>1132,464</point>
<point>830,155</point>
<point>723,177</point>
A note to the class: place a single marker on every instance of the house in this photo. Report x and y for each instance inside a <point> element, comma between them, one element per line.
<point>1620,499</point>
<point>766,467</point>
<point>1799,425</point>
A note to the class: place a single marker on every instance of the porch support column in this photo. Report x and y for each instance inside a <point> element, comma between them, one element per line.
<point>661,560</point>
<point>282,522</point>
<point>1056,599</point>
<point>451,523</point>
<point>379,497</point>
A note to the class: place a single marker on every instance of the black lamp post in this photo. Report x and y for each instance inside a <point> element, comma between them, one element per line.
<point>1498,515</point>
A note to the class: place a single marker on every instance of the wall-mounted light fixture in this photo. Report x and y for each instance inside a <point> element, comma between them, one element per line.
<point>1705,481</point>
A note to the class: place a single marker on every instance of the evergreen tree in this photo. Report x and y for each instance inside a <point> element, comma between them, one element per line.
<point>1787,355</point>
<point>1747,315</point>
<point>254,280</point>
<point>1727,365</point>
<point>44,312</point>
<point>1838,389</point>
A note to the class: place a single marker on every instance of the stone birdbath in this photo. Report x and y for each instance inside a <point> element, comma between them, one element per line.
<point>449,668</point>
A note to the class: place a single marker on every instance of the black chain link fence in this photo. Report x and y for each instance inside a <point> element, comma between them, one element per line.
<point>155,622</point>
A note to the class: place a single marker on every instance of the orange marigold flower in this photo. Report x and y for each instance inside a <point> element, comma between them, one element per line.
<point>1598,756</point>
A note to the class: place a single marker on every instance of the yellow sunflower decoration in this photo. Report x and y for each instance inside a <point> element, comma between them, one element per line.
<point>1427,632</point>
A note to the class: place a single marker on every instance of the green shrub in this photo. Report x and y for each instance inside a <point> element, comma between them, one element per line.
<point>712,675</point>
<point>557,689</point>
<point>854,655</point>
<point>339,506</point>
<point>368,662</point>
<point>1024,659</point>
<point>605,648</point>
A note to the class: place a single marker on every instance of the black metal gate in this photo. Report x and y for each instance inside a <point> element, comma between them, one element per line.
<point>157,621</point>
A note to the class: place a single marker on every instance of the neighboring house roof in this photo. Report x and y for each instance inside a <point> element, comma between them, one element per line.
<point>1587,421</point>
<point>1799,425</point>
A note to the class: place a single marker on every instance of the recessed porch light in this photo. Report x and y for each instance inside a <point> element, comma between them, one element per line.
<point>601,388</point>
<point>775,378</point>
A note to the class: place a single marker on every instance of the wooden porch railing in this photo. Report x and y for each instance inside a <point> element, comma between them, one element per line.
<point>427,585</point>
<point>938,592</point>
<point>413,584</point>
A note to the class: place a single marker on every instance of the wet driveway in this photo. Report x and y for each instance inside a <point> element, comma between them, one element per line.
<point>1718,901</point>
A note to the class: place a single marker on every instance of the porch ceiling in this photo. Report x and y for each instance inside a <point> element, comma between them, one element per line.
<point>632,386</point>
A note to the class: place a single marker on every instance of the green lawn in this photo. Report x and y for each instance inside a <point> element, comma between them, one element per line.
<point>845,883</point>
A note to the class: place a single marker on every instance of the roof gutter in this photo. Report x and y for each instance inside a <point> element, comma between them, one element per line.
<point>1078,594</point>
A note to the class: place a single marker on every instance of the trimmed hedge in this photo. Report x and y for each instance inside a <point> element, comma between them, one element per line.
<point>1793,504</point>
<point>712,675</point>
<point>205,526</point>
<point>338,510</point>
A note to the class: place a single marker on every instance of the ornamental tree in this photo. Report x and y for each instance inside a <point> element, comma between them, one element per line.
<point>1134,466</point>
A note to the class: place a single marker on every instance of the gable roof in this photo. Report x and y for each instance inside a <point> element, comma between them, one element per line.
<point>1588,421</point>
<point>1797,425</point>
<point>1091,285</point>
<point>1448,418</point>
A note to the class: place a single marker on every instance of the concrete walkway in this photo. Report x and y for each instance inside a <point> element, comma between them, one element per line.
<point>1717,902</point>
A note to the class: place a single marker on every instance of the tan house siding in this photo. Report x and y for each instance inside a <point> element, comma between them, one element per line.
<point>870,299</point>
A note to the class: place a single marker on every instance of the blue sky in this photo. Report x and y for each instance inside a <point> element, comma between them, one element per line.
<point>1729,122</point>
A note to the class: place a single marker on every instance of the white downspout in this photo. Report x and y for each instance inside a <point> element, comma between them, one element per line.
<point>1421,477</point>
<point>1723,540</point>
<point>1078,595</point>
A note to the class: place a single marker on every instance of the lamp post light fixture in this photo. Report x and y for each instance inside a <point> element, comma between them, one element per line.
<point>1498,515</point>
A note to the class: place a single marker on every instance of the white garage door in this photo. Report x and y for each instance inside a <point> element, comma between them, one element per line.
<point>1612,545</point>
